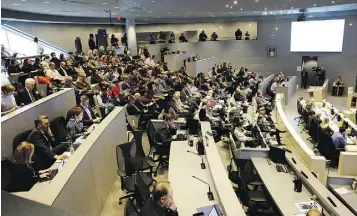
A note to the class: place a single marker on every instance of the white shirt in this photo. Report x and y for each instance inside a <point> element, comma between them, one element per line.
<point>54,74</point>
<point>273,86</point>
<point>7,102</point>
<point>149,61</point>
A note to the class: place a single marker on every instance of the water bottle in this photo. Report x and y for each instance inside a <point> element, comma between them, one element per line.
<point>354,185</point>
<point>71,149</point>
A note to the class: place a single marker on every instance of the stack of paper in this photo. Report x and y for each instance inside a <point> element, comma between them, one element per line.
<point>342,191</point>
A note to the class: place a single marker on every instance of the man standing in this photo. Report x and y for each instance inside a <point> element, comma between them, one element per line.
<point>46,153</point>
<point>28,95</point>
<point>304,77</point>
<point>202,36</point>
<point>238,34</point>
<point>78,44</point>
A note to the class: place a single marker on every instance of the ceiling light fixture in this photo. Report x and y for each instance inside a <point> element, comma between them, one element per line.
<point>220,27</point>
<point>250,24</point>
<point>46,2</point>
<point>265,13</point>
<point>231,6</point>
<point>227,5</point>
<point>231,12</point>
<point>116,7</point>
<point>281,12</point>
<point>137,5</point>
<point>46,10</point>
<point>333,2</point>
<point>149,11</point>
<point>152,1</point>
<point>271,12</point>
<point>132,10</point>
<point>90,11</point>
<point>105,3</point>
<point>314,5</point>
<point>276,28</point>
<point>168,12</point>
<point>215,29</point>
<point>16,4</point>
<point>23,0</point>
<point>241,9</point>
<point>350,24</point>
<point>235,2</point>
<point>265,8</point>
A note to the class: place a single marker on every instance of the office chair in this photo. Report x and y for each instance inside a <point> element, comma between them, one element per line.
<point>126,170</point>
<point>130,209</point>
<point>20,138</point>
<point>254,200</point>
<point>157,149</point>
<point>5,174</point>
<point>59,130</point>
<point>138,156</point>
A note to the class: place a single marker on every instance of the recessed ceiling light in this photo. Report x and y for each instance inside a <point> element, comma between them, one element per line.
<point>333,2</point>
<point>215,29</point>
<point>292,8</point>
<point>23,0</point>
<point>350,24</point>
<point>265,8</point>
<point>227,5</point>
<point>235,2</point>
<point>152,1</point>
<point>231,6</point>
<point>16,4</point>
<point>116,7</point>
<point>250,24</point>
<point>281,12</point>
<point>231,12</point>
<point>104,3</point>
<point>256,0</point>
<point>241,9</point>
<point>137,5</point>
<point>46,10</point>
<point>314,5</point>
<point>200,29</point>
<point>168,12</point>
<point>273,35</point>
<point>132,10</point>
<point>46,2</point>
<point>149,11</point>
<point>265,13</point>
<point>271,12</point>
<point>276,28</point>
<point>220,27</point>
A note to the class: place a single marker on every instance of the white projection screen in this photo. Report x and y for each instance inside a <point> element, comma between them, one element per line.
<point>317,36</point>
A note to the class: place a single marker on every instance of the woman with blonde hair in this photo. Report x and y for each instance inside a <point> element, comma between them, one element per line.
<point>23,174</point>
<point>8,103</point>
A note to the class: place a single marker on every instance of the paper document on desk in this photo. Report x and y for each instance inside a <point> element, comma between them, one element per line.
<point>306,206</point>
<point>342,191</point>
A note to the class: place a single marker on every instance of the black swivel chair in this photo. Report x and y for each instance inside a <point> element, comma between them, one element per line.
<point>130,209</point>
<point>126,170</point>
<point>58,128</point>
<point>254,200</point>
<point>157,149</point>
<point>20,138</point>
<point>140,160</point>
<point>5,174</point>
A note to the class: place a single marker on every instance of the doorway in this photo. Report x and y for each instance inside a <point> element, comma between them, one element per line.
<point>309,62</point>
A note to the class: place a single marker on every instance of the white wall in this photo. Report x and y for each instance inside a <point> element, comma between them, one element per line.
<point>63,35</point>
<point>253,54</point>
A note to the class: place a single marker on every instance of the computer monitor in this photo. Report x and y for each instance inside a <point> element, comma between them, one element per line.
<point>192,125</point>
<point>277,155</point>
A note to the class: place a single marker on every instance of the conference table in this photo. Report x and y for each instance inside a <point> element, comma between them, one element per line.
<point>85,181</point>
<point>190,194</point>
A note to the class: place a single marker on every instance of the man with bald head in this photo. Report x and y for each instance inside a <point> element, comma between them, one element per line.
<point>313,212</point>
<point>161,203</point>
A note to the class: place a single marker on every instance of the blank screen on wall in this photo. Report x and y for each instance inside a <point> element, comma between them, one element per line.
<point>317,36</point>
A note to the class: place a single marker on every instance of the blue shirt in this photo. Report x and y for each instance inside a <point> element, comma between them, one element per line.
<point>338,140</point>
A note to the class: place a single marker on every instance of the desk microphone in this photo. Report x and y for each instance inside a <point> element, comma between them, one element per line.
<point>209,193</point>
<point>203,165</point>
<point>206,140</point>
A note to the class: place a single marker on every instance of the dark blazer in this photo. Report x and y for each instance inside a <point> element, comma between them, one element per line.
<point>61,71</point>
<point>56,61</point>
<point>165,135</point>
<point>24,97</point>
<point>43,156</point>
<point>134,110</point>
<point>86,120</point>
<point>91,43</point>
<point>153,209</point>
<point>23,177</point>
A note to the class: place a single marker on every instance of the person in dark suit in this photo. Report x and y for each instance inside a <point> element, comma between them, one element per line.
<point>238,34</point>
<point>304,77</point>
<point>161,203</point>
<point>63,71</point>
<point>91,42</point>
<point>78,45</point>
<point>168,132</point>
<point>23,174</point>
<point>55,60</point>
<point>46,151</point>
<point>202,36</point>
<point>266,126</point>
<point>89,116</point>
<point>28,94</point>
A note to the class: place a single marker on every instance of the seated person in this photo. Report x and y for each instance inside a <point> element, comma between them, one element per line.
<point>75,124</point>
<point>325,123</point>
<point>339,138</point>
<point>96,77</point>
<point>8,103</point>
<point>89,116</point>
<point>161,203</point>
<point>168,110</point>
<point>313,212</point>
<point>53,75</point>
<point>46,151</point>
<point>316,118</point>
<point>339,81</point>
<point>23,174</point>
<point>28,94</point>
<point>262,102</point>
<point>168,132</point>
<point>265,126</point>
<point>82,83</point>
<point>135,107</point>
<point>340,121</point>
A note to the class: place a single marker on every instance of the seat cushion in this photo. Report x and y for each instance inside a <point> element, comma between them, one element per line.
<point>128,183</point>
